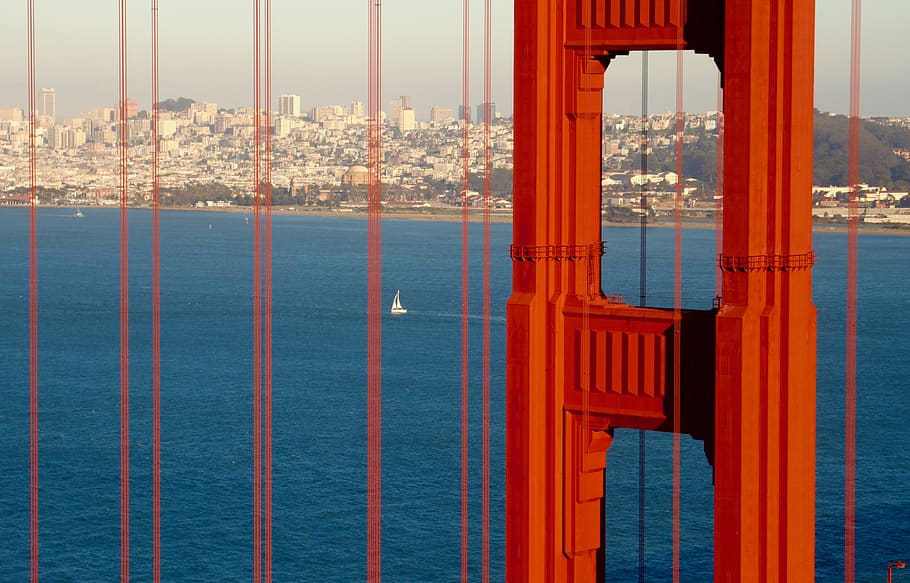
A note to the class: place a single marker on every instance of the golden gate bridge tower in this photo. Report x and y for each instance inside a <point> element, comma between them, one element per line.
<point>740,377</point>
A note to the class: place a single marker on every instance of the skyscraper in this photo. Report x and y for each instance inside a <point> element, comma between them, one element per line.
<point>132,108</point>
<point>441,115</point>
<point>407,120</point>
<point>395,107</point>
<point>49,103</point>
<point>480,111</point>
<point>394,111</point>
<point>289,104</point>
<point>358,110</point>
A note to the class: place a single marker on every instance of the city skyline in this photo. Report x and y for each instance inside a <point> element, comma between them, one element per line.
<point>320,53</point>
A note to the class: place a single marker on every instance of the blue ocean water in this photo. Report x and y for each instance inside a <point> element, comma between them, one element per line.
<point>320,404</point>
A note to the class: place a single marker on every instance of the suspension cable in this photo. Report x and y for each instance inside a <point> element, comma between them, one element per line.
<point>374,300</point>
<point>267,405</point>
<point>487,169</point>
<point>643,246</point>
<point>677,291</point>
<point>156,310</point>
<point>719,189</point>
<point>465,268</point>
<point>852,269</point>
<point>257,302</point>
<point>33,299</point>
<point>124,311</point>
<point>643,298</point>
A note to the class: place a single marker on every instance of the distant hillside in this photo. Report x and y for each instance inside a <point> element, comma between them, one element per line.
<point>176,105</point>
<point>879,165</point>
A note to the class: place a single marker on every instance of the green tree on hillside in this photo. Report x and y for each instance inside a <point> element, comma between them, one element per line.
<point>176,105</point>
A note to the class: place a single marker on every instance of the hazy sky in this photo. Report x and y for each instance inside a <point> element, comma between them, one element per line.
<point>320,53</point>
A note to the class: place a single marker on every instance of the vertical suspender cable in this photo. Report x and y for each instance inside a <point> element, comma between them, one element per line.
<point>465,268</point>
<point>374,300</point>
<point>852,268</point>
<point>33,299</point>
<point>267,438</point>
<point>156,312</point>
<point>487,168</point>
<point>124,314</point>
<point>257,307</point>
<point>719,189</point>
<point>677,289</point>
<point>643,246</point>
<point>642,300</point>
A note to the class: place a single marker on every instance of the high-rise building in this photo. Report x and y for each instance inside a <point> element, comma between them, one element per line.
<point>358,109</point>
<point>65,138</point>
<point>289,104</point>
<point>464,113</point>
<point>441,115</point>
<point>394,111</point>
<point>407,119</point>
<point>102,114</point>
<point>282,127</point>
<point>323,113</point>
<point>49,103</point>
<point>491,105</point>
<point>223,123</point>
<point>167,127</point>
<point>132,109</point>
<point>12,114</point>
<point>395,107</point>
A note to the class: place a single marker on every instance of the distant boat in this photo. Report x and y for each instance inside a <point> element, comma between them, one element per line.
<point>246,220</point>
<point>397,308</point>
<point>78,214</point>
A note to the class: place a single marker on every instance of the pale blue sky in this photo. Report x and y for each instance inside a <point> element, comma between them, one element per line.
<point>320,53</point>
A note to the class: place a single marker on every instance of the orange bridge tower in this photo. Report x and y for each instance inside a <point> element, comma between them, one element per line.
<point>580,365</point>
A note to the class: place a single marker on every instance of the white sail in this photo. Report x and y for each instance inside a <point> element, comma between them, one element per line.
<point>397,308</point>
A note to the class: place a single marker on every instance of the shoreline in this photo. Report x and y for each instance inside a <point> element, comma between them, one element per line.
<point>444,216</point>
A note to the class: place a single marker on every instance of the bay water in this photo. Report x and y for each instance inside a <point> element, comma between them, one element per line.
<point>319,420</point>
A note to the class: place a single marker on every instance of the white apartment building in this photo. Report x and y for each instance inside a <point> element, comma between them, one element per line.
<point>289,104</point>
<point>407,119</point>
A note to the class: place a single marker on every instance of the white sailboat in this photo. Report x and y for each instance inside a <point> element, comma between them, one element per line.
<point>397,308</point>
<point>78,214</point>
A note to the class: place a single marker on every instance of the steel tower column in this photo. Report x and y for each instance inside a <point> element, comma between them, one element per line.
<point>557,247</point>
<point>765,378</point>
